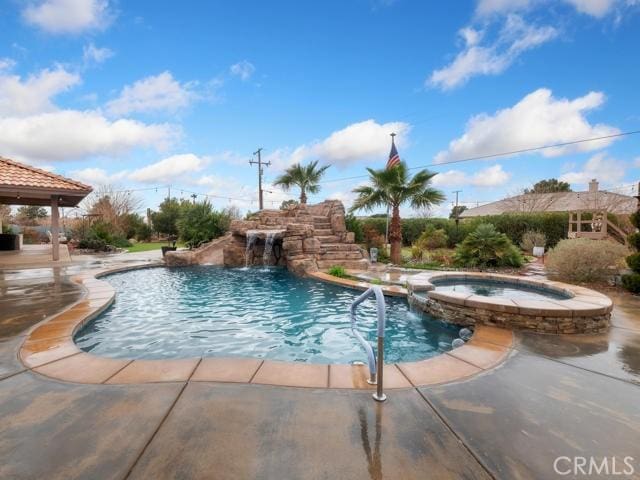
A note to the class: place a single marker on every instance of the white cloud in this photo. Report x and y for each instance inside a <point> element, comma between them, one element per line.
<point>367,140</point>
<point>493,176</point>
<point>72,135</point>
<point>33,95</point>
<point>536,120</point>
<point>601,167</point>
<point>169,169</point>
<point>68,16</point>
<point>96,176</point>
<point>93,54</point>
<point>6,64</point>
<point>155,93</point>
<point>594,8</point>
<point>636,162</point>
<point>490,7</point>
<point>514,38</point>
<point>243,70</point>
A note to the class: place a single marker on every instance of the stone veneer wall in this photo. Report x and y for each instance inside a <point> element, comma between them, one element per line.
<point>466,316</point>
<point>301,245</point>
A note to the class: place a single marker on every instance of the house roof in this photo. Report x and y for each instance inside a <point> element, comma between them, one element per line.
<point>23,184</point>
<point>557,202</point>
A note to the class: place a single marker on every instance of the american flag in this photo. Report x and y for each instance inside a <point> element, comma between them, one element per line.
<point>394,158</point>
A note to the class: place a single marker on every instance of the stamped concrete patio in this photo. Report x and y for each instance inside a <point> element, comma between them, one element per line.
<point>555,396</point>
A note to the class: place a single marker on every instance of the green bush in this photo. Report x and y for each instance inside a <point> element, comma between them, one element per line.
<point>432,238</point>
<point>354,225</point>
<point>634,240</point>
<point>586,260</point>
<point>486,247</point>
<point>633,261</point>
<point>337,271</point>
<point>143,233</point>
<point>631,282</point>
<point>514,225</point>
<point>199,223</point>
<point>94,243</point>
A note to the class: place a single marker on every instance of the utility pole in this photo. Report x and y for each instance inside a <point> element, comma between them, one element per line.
<point>455,209</point>
<point>260,163</point>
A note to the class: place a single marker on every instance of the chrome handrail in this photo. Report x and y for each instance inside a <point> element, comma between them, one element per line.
<point>375,365</point>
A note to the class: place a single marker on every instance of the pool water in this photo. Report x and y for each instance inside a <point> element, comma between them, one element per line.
<point>255,312</point>
<point>488,288</point>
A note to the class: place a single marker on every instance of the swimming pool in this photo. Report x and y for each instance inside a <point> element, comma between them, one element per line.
<point>257,312</point>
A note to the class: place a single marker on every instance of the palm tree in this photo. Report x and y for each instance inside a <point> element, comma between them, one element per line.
<point>392,187</point>
<point>306,177</point>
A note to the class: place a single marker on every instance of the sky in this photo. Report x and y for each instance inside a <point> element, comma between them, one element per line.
<point>146,95</point>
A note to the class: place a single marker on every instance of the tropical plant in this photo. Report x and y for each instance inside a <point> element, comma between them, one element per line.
<point>338,271</point>
<point>486,247</point>
<point>393,187</point>
<point>305,177</point>
<point>586,260</point>
<point>532,238</point>
<point>288,204</point>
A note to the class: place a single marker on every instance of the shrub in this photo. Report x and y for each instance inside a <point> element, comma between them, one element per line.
<point>432,238</point>
<point>337,271</point>
<point>143,233</point>
<point>633,261</point>
<point>585,260</point>
<point>486,247</point>
<point>373,238</point>
<point>442,256</point>
<point>94,243</point>
<point>634,240</point>
<point>354,225</point>
<point>199,223</point>
<point>631,282</point>
<point>533,238</point>
<point>416,253</point>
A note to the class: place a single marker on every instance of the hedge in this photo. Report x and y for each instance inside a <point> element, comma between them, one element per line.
<point>513,225</point>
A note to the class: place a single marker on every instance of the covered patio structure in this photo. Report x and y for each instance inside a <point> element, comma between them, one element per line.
<point>25,185</point>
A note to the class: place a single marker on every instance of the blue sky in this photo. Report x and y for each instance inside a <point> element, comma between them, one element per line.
<point>138,96</point>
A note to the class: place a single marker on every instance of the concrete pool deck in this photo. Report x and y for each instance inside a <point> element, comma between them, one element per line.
<point>554,396</point>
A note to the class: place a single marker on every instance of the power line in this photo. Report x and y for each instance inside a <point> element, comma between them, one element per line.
<point>500,154</point>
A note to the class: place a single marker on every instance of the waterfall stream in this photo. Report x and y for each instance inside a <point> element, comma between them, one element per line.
<point>268,248</point>
<point>248,254</point>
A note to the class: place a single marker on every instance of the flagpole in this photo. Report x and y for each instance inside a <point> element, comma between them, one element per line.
<point>386,235</point>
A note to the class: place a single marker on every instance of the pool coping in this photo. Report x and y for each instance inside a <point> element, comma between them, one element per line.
<point>49,350</point>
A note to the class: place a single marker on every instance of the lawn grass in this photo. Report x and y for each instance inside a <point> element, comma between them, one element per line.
<point>148,246</point>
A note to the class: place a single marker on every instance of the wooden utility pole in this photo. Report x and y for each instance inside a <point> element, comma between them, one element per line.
<point>260,163</point>
<point>456,210</point>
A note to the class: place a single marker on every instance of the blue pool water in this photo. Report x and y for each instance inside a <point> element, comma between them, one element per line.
<point>492,288</point>
<point>255,312</point>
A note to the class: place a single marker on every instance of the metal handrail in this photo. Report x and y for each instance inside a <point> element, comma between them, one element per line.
<point>375,365</point>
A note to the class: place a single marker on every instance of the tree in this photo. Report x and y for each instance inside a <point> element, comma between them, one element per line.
<point>392,187</point>
<point>307,178</point>
<point>29,215</point>
<point>456,211</point>
<point>165,220</point>
<point>199,223</point>
<point>551,185</point>
<point>288,204</point>
<point>113,207</point>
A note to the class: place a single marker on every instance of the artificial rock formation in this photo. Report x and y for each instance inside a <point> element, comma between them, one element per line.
<point>305,238</point>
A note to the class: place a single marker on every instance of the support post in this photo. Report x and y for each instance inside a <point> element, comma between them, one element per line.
<point>55,237</point>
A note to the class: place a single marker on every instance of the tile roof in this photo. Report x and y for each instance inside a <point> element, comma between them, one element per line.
<point>14,174</point>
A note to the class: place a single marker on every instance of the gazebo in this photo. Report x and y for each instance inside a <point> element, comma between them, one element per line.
<point>25,185</point>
